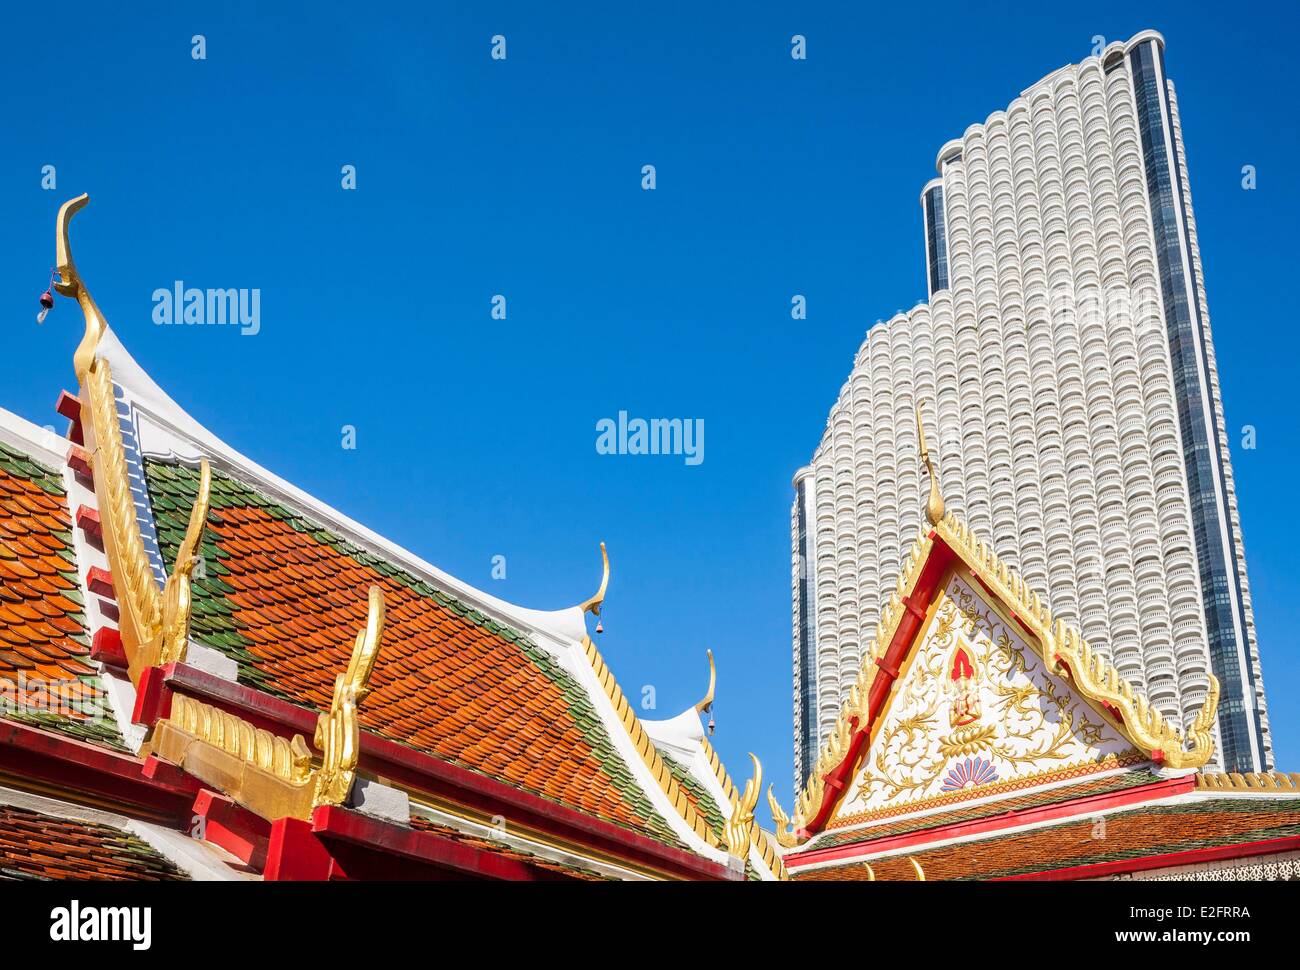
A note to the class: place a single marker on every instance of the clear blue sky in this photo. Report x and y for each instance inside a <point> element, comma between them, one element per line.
<point>476,437</point>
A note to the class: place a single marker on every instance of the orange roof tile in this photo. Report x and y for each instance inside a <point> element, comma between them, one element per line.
<point>38,846</point>
<point>46,678</point>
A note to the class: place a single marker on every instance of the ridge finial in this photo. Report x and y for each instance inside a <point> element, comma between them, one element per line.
<point>933,504</point>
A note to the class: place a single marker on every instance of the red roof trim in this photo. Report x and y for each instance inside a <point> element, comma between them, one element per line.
<point>88,773</point>
<point>332,824</point>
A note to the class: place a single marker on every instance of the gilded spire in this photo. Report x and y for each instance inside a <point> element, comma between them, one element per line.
<point>70,284</point>
<point>593,605</point>
<point>706,704</point>
<point>934,504</point>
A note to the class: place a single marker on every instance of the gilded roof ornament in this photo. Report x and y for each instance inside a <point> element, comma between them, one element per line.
<point>338,735</point>
<point>784,837</point>
<point>934,503</point>
<point>172,641</point>
<point>706,703</point>
<point>70,284</point>
<point>594,604</point>
<point>154,623</point>
<point>741,824</point>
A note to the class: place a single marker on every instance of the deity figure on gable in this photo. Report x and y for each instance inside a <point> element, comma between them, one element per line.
<point>963,688</point>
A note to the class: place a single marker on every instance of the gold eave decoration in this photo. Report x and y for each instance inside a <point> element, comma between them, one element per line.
<point>739,828</point>
<point>153,623</point>
<point>265,773</point>
<point>705,704</point>
<point>758,839</point>
<point>1061,647</point>
<point>1251,781</point>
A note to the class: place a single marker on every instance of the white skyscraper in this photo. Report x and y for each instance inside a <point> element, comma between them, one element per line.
<point>1065,362</point>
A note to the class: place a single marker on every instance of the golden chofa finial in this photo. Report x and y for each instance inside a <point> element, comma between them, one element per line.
<point>740,825</point>
<point>70,284</point>
<point>338,733</point>
<point>934,504</point>
<point>176,596</point>
<point>705,706</point>
<point>594,604</point>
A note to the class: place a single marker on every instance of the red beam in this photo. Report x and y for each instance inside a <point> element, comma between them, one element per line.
<point>68,405</point>
<point>242,833</point>
<point>79,461</point>
<point>42,760</point>
<point>295,853</point>
<point>100,582</point>
<point>428,849</point>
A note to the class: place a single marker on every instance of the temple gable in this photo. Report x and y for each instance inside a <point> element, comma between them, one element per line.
<point>976,713</point>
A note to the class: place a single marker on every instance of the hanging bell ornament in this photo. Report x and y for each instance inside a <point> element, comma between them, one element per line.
<point>599,627</point>
<point>47,303</point>
<point>712,725</point>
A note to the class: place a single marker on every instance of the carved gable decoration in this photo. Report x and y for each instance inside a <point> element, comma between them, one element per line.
<point>976,713</point>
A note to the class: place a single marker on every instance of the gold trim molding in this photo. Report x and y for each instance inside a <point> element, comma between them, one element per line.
<point>645,747</point>
<point>1262,781</point>
<point>737,833</point>
<point>853,711</point>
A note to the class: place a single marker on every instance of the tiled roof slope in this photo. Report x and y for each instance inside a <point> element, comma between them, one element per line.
<point>284,598</point>
<point>46,678</point>
<point>38,846</point>
<point>697,795</point>
<point>1158,830</point>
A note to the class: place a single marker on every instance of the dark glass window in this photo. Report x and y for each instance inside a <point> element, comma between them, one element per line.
<point>807,712</point>
<point>936,242</point>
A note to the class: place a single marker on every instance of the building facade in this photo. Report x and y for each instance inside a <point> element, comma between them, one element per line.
<point>1065,357</point>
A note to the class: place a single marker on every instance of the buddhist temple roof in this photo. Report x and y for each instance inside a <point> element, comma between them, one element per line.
<point>211,607</point>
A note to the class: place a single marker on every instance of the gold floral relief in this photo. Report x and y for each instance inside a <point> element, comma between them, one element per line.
<point>976,708</point>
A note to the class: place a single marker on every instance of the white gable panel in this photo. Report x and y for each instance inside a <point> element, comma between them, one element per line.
<point>976,712</point>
